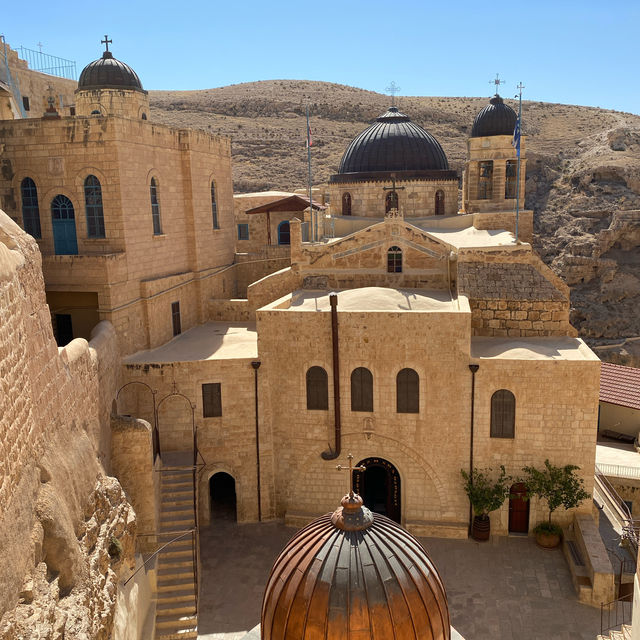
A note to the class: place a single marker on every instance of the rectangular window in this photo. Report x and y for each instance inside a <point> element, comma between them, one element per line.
<point>243,232</point>
<point>175,318</point>
<point>485,180</point>
<point>25,103</point>
<point>211,400</point>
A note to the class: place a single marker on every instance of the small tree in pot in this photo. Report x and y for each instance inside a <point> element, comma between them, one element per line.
<point>485,495</point>
<point>560,487</point>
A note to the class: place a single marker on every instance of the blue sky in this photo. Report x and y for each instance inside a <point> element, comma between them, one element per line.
<point>571,52</point>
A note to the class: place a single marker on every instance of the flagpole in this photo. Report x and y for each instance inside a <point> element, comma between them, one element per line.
<point>519,130</point>
<point>314,230</point>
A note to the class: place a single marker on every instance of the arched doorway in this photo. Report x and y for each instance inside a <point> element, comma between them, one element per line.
<point>346,204</point>
<point>439,202</point>
<point>379,487</point>
<point>518,509</point>
<point>284,233</point>
<point>63,221</point>
<point>222,497</point>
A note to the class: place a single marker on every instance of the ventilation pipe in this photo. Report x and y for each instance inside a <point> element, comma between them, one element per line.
<point>333,453</point>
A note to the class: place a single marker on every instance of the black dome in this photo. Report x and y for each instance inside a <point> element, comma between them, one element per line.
<point>496,119</point>
<point>393,143</point>
<point>109,73</point>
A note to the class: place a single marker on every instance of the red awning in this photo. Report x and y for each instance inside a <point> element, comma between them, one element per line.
<point>290,203</point>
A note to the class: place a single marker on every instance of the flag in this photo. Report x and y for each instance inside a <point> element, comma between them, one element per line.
<point>515,143</point>
<point>309,139</point>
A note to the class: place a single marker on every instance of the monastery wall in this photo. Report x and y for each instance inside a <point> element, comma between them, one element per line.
<point>556,418</point>
<point>226,443</point>
<point>416,198</point>
<point>59,512</point>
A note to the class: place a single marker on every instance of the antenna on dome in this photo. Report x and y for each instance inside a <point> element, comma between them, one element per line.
<point>497,82</point>
<point>393,88</point>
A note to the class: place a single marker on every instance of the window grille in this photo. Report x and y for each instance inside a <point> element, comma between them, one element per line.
<point>93,206</point>
<point>394,260</point>
<point>155,207</point>
<point>211,400</point>
<point>485,180</point>
<point>503,414</point>
<point>30,208</point>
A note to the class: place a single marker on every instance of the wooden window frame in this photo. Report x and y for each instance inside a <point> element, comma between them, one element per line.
<point>361,390</point>
<point>408,391</point>
<point>394,259</point>
<point>243,231</point>
<point>317,385</point>
<point>211,400</point>
<point>503,414</point>
<point>155,207</point>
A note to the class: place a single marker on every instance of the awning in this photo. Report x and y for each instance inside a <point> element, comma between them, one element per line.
<point>289,204</point>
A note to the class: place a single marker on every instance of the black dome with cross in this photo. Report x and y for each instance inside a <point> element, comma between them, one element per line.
<point>496,119</point>
<point>393,144</point>
<point>108,73</point>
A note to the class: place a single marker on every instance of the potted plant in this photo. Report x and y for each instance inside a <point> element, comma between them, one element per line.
<point>560,487</point>
<point>485,495</point>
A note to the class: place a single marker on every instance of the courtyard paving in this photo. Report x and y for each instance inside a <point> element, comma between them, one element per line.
<point>507,589</point>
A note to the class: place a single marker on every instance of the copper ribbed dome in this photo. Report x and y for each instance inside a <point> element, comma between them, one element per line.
<point>393,143</point>
<point>109,73</point>
<point>496,119</point>
<point>354,574</point>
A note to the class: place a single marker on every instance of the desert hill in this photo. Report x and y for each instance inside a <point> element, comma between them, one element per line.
<point>583,174</point>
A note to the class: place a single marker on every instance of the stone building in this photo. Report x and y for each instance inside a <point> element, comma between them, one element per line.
<point>422,339</point>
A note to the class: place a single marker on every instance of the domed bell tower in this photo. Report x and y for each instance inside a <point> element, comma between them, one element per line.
<point>489,181</point>
<point>109,87</point>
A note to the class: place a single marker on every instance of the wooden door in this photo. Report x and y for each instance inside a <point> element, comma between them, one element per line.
<point>518,509</point>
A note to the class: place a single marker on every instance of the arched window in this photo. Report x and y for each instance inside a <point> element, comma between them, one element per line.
<point>346,204</point>
<point>408,391</point>
<point>30,208</point>
<point>439,202</point>
<point>63,222</point>
<point>485,180</point>
<point>394,260</point>
<point>317,388</point>
<point>361,390</point>
<point>214,206</point>
<point>284,233</point>
<point>93,206</point>
<point>503,414</point>
<point>155,207</point>
<point>511,172</point>
<point>144,116</point>
<point>391,201</point>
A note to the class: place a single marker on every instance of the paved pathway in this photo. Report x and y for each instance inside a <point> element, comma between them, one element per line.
<point>508,589</point>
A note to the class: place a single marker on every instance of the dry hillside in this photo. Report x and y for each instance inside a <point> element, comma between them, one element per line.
<point>583,174</point>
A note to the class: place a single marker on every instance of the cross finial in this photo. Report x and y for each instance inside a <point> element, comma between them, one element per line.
<point>351,469</point>
<point>497,82</point>
<point>393,88</point>
<point>520,87</point>
<point>106,42</point>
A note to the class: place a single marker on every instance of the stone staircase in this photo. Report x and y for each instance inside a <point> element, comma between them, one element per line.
<point>624,633</point>
<point>176,613</point>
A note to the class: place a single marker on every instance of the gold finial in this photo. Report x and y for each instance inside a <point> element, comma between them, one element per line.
<point>351,469</point>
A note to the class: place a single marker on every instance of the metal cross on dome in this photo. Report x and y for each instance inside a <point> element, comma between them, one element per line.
<point>351,469</point>
<point>497,82</point>
<point>393,88</point>
<point>106,42</point>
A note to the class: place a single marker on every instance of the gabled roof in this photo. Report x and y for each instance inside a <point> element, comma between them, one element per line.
<point>620,385</point>
<point>292,203</point>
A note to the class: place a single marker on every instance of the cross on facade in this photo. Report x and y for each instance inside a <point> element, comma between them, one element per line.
<point>351,469</point>
<point>393,88</point>
<point>497,82</point>
<point>106,42</point>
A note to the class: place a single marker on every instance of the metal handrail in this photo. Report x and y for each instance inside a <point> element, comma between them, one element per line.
<point>615,603</point>
<point>157,551</point>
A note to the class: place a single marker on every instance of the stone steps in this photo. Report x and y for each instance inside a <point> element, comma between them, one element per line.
<point>176,613</point>
<point>624,633</point>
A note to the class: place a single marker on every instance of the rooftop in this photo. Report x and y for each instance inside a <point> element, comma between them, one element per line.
<point>620,385</point>
<point>375,299</point>
<point>210,341</point>
<point>551,348</point>
<point>470,237</point>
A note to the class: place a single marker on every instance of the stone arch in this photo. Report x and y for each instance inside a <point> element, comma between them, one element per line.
<point>203,501</point>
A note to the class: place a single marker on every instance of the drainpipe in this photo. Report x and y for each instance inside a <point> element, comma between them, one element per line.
<point>473,368</point>
<point>332,454</point>
<point>256,365</point>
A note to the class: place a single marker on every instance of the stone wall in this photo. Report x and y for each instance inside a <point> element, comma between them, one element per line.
<point>59,511</point>
<point>416,198</point>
